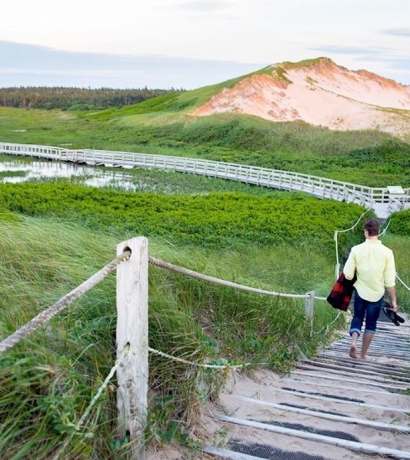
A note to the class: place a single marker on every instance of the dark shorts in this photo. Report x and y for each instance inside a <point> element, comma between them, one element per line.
<point>367,311</point>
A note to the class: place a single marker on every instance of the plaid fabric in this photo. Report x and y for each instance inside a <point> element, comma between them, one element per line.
<point>341,293</point>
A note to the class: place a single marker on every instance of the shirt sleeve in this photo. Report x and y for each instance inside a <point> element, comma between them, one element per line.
<point>390,271</point>
<point>350,266</point>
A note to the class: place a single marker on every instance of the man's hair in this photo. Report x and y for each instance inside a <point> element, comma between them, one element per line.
<point>372,226</point>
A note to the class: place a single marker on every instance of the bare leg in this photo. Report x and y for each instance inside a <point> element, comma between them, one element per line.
<point>367,340</point>
<point>353,346</point>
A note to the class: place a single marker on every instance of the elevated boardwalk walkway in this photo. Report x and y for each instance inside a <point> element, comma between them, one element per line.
<point>383,200</point>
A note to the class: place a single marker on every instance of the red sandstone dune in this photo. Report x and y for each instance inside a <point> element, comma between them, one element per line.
<point>321,93</point>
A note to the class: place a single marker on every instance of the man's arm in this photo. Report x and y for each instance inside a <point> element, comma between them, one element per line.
<point>350,267</point>
<point>392,294</point>
<point>390,279</point>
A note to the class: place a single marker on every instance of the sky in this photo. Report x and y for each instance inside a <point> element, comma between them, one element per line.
<point>194,43</point>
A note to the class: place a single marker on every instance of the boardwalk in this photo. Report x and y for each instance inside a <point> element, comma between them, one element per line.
<point>384,200</point>
<point>331,407</point>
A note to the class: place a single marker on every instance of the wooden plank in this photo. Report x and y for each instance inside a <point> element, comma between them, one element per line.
<point>229,454</point>
<point>357,446</point>
<point>333,417</point>
<point>341,401</point>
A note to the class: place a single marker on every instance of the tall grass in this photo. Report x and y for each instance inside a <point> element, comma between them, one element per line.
<point>49,378</point>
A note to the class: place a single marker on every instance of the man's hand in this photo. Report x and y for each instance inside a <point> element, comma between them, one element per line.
<point>394,305</point>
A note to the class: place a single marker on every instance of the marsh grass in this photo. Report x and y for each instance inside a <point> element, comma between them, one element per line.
<point>4,174</point>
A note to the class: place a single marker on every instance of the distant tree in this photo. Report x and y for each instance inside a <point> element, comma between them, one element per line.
<point>67,98</point>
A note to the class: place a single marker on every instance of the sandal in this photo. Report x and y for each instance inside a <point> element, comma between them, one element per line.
<point>392,315</point>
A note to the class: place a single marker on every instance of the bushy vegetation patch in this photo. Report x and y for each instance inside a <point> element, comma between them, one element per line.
<point>213,220</point>
<point>400,223</point>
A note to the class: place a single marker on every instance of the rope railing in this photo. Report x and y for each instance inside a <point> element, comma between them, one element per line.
<point>402,282</point>
<point>64,302</point>
<point>211,279</point>
<point>192,363</point>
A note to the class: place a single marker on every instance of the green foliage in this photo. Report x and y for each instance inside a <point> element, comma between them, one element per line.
<point>7,216</point>
<point>156,104</point>
<point>64,98</point>
<point>400,223</point>
<point>213,220</point>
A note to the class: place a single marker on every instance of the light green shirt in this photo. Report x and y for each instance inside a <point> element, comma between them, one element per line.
<point>375,269</point>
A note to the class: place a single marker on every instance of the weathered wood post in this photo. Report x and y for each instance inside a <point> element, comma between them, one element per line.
<point>132,331</point>
<point>309,308</point>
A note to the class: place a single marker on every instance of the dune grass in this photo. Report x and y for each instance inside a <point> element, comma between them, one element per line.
<point>50,377</point>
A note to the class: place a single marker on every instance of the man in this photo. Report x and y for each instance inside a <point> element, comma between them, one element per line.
<point>375,270</point>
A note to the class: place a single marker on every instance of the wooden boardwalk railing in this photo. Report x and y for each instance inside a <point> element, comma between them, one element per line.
<point>381,199</point>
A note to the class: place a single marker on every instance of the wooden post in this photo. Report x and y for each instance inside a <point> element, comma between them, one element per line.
<point>309,308</point>
<point>132,331</point>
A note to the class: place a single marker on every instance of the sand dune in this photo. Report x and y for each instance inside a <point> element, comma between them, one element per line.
<point>320,93</point>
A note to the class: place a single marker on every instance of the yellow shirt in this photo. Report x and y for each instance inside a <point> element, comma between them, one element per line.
<point>375,269</point>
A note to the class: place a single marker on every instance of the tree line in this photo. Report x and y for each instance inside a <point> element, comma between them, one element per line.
<point>66,98</point>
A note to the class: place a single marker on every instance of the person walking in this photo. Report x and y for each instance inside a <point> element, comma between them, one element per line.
<point>374,266</point>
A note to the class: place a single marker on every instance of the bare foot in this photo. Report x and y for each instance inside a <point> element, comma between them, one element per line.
<point>352,352</point>
<point>366,358</point>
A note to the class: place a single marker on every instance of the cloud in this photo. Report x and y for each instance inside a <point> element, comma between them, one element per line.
<point>400,32</point>
<point>33,65</point>
<point>358,50</point>
<point>203,6</point>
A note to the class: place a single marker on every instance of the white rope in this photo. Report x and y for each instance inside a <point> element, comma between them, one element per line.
<point>118,361</point>
<point>77,426</point>
<point>385,229</point>
<point>356,224</point>
<point>326,329</point>
<point>402,282</point>
<point>207,366</point>
<point>337,268</point>
<point>211,279</point>
<point>69,298</point>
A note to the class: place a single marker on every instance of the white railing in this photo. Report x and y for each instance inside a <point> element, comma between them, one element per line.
<point>285,180</point>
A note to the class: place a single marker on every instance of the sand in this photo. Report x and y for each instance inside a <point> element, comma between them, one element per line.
<point>323,94</point>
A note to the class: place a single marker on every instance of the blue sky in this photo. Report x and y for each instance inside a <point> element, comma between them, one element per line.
<point>193,43</point>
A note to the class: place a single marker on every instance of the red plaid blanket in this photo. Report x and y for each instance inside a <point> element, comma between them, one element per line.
<point>341,293</point>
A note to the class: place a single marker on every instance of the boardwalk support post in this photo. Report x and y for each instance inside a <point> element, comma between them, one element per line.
<point>132,332</point>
